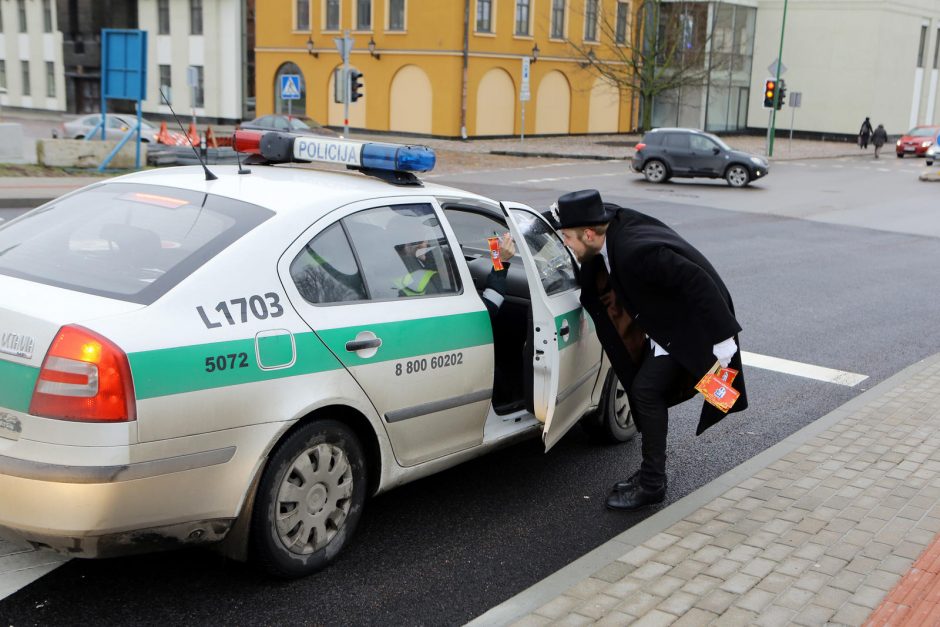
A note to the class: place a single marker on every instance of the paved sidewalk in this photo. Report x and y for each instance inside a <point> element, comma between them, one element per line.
<point>819,529</point>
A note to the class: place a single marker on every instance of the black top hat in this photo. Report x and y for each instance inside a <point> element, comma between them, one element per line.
<point>582,208</point>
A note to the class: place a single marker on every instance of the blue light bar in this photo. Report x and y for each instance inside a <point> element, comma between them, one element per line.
<point>356,154</point>
<point>398,158</point>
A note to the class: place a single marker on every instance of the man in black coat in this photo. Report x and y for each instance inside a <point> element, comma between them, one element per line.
<point>663,316</point>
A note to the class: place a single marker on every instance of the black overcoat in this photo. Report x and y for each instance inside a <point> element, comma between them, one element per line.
<point>673,294</point>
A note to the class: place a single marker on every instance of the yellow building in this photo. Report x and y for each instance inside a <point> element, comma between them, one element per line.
<point>429,70</point>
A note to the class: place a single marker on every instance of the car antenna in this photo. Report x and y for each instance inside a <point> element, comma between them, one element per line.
<point>209,175</point>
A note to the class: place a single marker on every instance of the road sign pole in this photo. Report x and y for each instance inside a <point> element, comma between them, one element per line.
<point>346,47</point>
<point>773,110</point>
<point>522,130</point>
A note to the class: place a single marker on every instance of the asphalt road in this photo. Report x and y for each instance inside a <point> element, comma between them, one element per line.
<point>845,287</point>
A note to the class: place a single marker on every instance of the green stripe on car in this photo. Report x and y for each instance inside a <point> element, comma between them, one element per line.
<point>16,385</point>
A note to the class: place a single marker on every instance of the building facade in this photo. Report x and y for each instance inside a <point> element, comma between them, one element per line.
<point>31,69</point>
<point>850,59</point>
<point>441,68</point>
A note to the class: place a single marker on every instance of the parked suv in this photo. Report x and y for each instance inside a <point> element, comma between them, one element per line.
<point>689,153</point>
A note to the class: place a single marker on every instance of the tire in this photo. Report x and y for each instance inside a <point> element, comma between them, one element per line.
<point>612,423</point>
<point>655,171</point>
<point>737,176</point>
<point>315,483</point>
<point>929,162</point>
<point>900,155</point>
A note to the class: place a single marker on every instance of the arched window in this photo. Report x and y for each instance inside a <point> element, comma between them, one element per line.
<point>296,107</point>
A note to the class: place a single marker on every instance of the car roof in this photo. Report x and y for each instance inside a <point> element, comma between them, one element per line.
<point>675,129</point>
<point>300,190</point>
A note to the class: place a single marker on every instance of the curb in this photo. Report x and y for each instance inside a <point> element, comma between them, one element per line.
<point>554,155</point>
<point>553,586</point>
<point>23,203</point>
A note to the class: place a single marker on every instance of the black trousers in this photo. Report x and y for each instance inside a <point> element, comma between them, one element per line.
<point>655,378</point>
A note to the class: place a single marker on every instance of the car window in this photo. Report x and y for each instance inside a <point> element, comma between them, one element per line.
<point>266,120</point>
<point>701,143</point>
<point>403,252</point>
<point>279,123</point>
<point>116,123</point>
<point>123,240</point>
<point>472,230</point>
<point>298,125</point>
<point>90,120</point>
<point>653,139</point>
<point>922,131</point>
<point>552,260</point>
<point>677,140</point>
<point>325,271</point>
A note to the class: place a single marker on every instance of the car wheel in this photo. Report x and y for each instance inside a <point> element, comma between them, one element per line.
<point>929,162</point>
<point>79,137</point>
<point>655,171</point>
<point>612,423</point>
<point>737,176</point>
<point>310,500</point>
<point>900,155</point>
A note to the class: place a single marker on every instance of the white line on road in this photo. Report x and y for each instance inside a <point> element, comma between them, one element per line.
<point>809,371</point>
<point>20,566</point>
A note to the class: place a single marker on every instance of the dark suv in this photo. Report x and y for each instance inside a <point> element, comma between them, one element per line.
<point>688,153</point>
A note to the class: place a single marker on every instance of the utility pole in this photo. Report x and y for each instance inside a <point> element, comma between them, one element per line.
<point>773,110</point>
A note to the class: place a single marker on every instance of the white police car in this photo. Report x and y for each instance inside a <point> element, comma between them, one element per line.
<point>246,359</point>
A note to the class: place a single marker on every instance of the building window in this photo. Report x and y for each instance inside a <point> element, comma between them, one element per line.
<point>3,74</point>
<point>396,14</point>
<point>47,16</point>
<point>195,17</point>
<point>25,67</point>
<point>623,13</point>
<point>199,91</point>
<point>590,20</point>
<point>166,84</point>
<point>21,11</point>
<point>485,16</point>
<point>50,79</point>
<point>332,14</point>
<point>558,19</point>
<point>522,17</point>
<point>363,14</point>
<point>302,21</point>
<point>923,46</point>
<point>163,17</point>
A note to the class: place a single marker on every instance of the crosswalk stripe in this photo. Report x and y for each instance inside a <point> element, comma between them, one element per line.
<point>799,369</point>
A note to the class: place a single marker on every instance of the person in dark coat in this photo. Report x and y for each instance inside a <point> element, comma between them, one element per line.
<point>864,133</point>
<point>663,316</point>
<point>879,138</point>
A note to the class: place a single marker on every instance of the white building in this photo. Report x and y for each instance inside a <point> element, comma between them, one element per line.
<point>850,59</point>
<point>31,71</point>
<point>201,42</point>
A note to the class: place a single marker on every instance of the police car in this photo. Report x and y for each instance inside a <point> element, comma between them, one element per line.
<point>244,356</point>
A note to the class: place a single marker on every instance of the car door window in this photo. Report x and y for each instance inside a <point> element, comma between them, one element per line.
<point>472,230</point>
<point>552,261</point>
<point>702,144</point>
<point>325,271</point>
<point>280,124</point>
<point>115,123</point>
<point>403,252</point>
<point>677,140</point>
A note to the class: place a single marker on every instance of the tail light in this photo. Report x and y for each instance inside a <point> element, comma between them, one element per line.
<point>247,141</point>
<point>84,377</point>
<point>640,146</point>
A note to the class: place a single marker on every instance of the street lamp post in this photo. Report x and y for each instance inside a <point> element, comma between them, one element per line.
<point>773,110</point>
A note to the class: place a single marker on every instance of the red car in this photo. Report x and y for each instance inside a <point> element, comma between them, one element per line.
<point>916,141</point>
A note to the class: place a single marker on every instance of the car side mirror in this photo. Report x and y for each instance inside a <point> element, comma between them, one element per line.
<point>716,151</point>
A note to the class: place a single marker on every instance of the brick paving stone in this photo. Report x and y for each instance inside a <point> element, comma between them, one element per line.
<point>655,618</point>
<point>723,569</point>
<point>714,527</point>
<point>695,541</point>
<point>678,603</point>
<point>661,541</point>
<point>615,619</point>
<point>775,582</point>
<point>760,539</point>
<point>716,601</point>
<point>758,567</point>
<point>664,586</point>
<point>637,556</point>
<point>682,528</point>
<point>674,555</point>
<point>811,581</point>
<point>755,600</point>
<point>688,569</point>
<point>813,615</point>
<point>831,597</point>
<point>614,572</point>
<point>623,587</point>
<point>696,617</point>
<point>586,588</point>
<point>740,583</point>
<point>851,614</point>
<point>735,617</point>
<point>810,551</point>
<point>573,620</point>
<point>598,606</point>
<point>848,581</point>
<point>775,616</point>
<point>776,552</point>
<point>793,566</point>
<point>862,564</point>
<point>868,596</point>
<point>829,565</point>
<point>650,571</point>
<point>558,607</point>
<point>743,553</point>
<point>882,580</point>
<point>729,540</point>
<point>639,603</point>
<point>877,550</point>
<point>532,620</point>
<point>794,598</point>
<point>894,564</point>
<point>908,549</point>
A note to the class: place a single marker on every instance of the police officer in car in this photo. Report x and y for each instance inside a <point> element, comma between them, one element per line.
<point>663,316</point>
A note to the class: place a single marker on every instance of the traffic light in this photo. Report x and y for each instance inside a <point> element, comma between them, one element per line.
<point>355,85</point>
<point>770,92</point>
<point>781,93</point>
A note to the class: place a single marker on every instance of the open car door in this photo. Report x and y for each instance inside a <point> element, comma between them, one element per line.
<point>566,355</point>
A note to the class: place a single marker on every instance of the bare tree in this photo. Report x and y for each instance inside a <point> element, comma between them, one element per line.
<point>662,47</point>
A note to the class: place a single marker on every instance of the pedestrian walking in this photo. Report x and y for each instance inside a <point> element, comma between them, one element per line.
<point>864,133</point>
<point>663,316</point>
<point>879,138</point>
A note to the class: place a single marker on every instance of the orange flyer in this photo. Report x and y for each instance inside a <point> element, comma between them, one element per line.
<point>494,253</point>
<point>717,390</point>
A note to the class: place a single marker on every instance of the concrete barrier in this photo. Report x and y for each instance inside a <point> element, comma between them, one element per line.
<point>11,143</point>
<point>78,153</point>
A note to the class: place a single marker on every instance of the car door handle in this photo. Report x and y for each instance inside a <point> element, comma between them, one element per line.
<point>357,345</point>
<point>565,330</point>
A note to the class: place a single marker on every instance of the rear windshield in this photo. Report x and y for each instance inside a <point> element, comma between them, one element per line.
<point>123,240</point>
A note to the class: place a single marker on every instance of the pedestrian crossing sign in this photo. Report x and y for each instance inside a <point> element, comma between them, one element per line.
<point>290,87</point>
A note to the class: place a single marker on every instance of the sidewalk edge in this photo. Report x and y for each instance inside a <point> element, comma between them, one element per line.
<point>557,583</point>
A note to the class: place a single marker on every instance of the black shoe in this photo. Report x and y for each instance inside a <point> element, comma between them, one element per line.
<point>637,497</point>
<point>631,482</point>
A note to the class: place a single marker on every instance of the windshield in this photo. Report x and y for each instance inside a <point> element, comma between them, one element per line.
<point>297,124</point>
<point>123,240</point>
<point>922,131</point>
<point>718,141</point>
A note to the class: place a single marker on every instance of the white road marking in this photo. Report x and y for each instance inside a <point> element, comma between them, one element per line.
<point>20,566</point>
<point>799,369</point>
